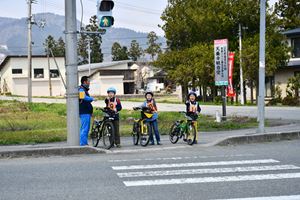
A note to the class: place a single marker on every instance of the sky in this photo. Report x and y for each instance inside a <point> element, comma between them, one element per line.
<point>139,15</point>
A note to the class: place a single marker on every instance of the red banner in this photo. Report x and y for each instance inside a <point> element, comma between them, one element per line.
<point>230,89</point>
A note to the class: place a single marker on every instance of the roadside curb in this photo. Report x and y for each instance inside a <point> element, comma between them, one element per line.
<point>258,138</point>
<point>50,151</point>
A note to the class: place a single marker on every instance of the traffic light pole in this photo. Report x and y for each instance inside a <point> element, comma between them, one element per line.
<point>262,40</point>
<point>29,53</point>
<point>89,55</point>
<point>241,67</point>
<point>224,100</point>
<point>71,73</point>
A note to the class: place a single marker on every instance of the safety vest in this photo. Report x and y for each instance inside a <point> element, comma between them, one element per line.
<point>113,105</point>
<point>151,106</point>
<point>193,108</point>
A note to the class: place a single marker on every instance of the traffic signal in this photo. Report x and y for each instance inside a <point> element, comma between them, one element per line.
<point>104,13</point>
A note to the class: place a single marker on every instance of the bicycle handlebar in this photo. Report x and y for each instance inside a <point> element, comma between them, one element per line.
<point>105,109</point>
<point>141,108</point>
<point>137,108</point>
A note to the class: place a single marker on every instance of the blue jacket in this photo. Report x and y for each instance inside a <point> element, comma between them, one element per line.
<point>85,106</point>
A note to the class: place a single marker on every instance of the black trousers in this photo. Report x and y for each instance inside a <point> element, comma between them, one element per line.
<point>116,124</point>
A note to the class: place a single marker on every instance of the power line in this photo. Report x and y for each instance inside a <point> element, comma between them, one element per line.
<point>136,8</point>
<point>88,14</point>
<point>125,38</point>
<point>139,7</point>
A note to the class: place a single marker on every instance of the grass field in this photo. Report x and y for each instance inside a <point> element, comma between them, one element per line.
<point>23,123</point>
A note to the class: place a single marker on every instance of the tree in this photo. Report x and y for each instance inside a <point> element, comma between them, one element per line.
<point>57,47</point>
<point>188,23</point>
<point>190,67</point>
<point>118,52</point>
<point>153,47</point>
<point>49,43</point>
<point>293,86</point>
<point>135,50</point>
<point>276,52</point>
<point>288,12</point>
<point>96,40</point>
<point>61,46</point>
<point>82,49</point>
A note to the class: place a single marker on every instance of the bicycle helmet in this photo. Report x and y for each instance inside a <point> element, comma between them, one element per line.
<point>149,92</point>
<point>112,89</point>
<point>192,93</point>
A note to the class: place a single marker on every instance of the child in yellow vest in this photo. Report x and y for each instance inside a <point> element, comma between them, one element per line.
<point>193,109</point>
<point>151,104</point>
<point>114,104</point>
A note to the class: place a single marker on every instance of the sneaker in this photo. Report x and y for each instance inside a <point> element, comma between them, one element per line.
<point>158,143</point>
<point>151,143</point>
<point>118,146</point>
<point>196,142</point>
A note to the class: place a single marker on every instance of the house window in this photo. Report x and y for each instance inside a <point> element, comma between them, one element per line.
<point>17,71</point>
<point>54,73</point>
<point>38,73</point>
<point>296,47</point>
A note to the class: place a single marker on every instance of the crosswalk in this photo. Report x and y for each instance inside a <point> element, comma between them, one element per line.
<point>183,172</point>
<point>289,197</point>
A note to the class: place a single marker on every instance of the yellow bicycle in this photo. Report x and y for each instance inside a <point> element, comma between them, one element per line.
<point>141,127</point>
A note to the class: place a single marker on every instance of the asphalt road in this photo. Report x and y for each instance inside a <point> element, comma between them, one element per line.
<point>257,171</point>
<point>285,113</point>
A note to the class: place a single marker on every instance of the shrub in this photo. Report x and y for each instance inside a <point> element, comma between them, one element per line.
<point>218,99</point>
<point>290,101</point>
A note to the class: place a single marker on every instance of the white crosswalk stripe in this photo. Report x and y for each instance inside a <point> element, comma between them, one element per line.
<point>212,179</point>
<point>206,171</point>
<point>290,197</point>
<point>181,158</point>
<point>198,164</point>
<point>246,170</point>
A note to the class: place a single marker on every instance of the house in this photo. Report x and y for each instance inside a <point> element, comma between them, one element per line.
<point>157,82</point>
<point>149,77</point>
<point>280,78</point>
<point>293,67</point>
<point>14,75</point>
<point>116,74</point>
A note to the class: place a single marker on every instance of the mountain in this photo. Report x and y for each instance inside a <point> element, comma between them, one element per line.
<point>13,34</point>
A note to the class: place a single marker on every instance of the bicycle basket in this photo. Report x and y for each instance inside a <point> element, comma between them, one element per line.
<point>147,115</point>
<point>109,114</point>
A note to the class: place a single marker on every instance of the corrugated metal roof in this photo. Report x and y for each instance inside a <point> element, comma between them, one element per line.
<point>101,65</point>
<point>292,32</point>
<point>294,63</point>
<point>6,59</point>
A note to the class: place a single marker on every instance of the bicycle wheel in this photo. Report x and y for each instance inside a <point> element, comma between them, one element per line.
<point>108,135</point>
<point>191,134</point>
<point>145,135</point>
<point>95,135</point>
<point>135,133</point>
<point>174,133</point>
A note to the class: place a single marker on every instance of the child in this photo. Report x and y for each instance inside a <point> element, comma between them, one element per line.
<point>114,104</point>
<point>193,109</point>
<point>151,104</point>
